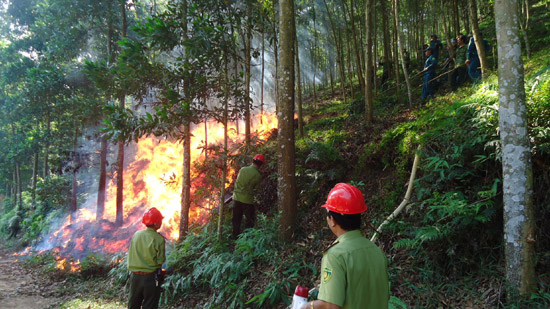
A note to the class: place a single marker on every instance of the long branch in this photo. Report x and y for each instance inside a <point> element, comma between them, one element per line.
<point>405,201</point>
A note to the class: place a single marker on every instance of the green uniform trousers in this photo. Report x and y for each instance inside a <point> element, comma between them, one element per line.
<point>144,292</point>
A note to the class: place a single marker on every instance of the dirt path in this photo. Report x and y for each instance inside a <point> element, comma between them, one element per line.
<point>18,285</point>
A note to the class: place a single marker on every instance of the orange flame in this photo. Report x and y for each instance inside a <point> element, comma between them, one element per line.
<point>151,179</point>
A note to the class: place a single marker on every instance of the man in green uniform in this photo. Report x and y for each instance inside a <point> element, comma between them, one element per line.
<point>354,272</point>
<point>459,74</point>
<point>15,225</point>
<point>145,258</point>
<point>248,181</point>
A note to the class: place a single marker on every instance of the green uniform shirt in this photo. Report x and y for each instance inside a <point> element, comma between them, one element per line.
<point>15,221</point>
<point>146,251</point>
<point>354,273</point>
<point>460,55</point>
<point>248,180</point>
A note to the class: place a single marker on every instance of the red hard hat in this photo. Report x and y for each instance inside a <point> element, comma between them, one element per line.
<point>259,157</point>
<point>152,216</point>
<point>345,199</point>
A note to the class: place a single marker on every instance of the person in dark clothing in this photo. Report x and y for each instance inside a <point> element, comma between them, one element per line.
<point>436,46</point>
<point>429,74</point>
<point>473,61</point>
<point>449,62</point>
<point>386,68</point>
<point>407,59</point>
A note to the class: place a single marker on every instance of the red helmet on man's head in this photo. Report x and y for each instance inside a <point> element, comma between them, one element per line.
<point>259,157</point>
<point>152,216</point>
<point>345,199</point>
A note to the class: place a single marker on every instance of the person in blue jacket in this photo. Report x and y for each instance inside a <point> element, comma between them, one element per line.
<point>429,74</point>
<point>472,60</point>
<point>436,46</point>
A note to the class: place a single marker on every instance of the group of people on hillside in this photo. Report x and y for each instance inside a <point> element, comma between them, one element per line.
<point>354,271</point>
<point>462,61</point>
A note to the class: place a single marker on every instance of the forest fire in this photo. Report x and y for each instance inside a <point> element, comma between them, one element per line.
<point>151,179</point>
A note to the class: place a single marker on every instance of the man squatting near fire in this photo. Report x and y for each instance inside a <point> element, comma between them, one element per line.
<point>246,185</point>
<point>354,271</point>
<point>145,258</point>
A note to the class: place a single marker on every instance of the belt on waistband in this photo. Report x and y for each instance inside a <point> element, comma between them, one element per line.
<point>142,273</point>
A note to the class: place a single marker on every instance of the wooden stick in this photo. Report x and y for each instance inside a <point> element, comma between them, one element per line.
<point>405,201</point>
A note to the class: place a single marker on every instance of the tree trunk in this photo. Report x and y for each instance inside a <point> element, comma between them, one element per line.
<point>369,65</point>
<point>186,183</point>
<point>205,135</point>
<point>349,62</point>
<point>262,78</point>
<point>47,145</point>
<point>396,53</point>
<point>276,56</point>
<point>286,182</point>
<point>314,56</point>
<point>400,47</point>
<point>186,169</point>
<point>524,24</point>
<point>356,48</point>
<point>14,186</point>
<point>34,179</point>
<point>19,187</point>
<point>299,89</point>
<point>386,39</point>
<point>75,164</point>
<point>455,18</point>
<point>517,185</point>
<point>102,179</point>
<point>339,51</point>
<point>478,38</point>
<point>120,180</point>
<point>225,152</point>
<point>248,74</point>
<point>466,18</point>
<point>120,156</point>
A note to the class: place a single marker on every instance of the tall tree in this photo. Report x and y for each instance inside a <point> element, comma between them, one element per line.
<point>525,17</point>
<point>517,186</point>
<point>400,48</point>
<point>120,154</point>
<point>299,89</point>
<point>286,182</point>
<point>369,106</point>
<point>186,170</point>
<point>478,37</point>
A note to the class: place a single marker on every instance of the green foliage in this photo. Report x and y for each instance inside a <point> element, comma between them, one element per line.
<point>274,293</point>
<point>322,166</point>
<point>94,265</point>
<point>451,214</point>
<point>357,106</point>
<point>119,271</point>
<point>223,276</point>
<point>396,303</point>
<point>52,193</point>
<point>322,155</point>
<point>8,204</point>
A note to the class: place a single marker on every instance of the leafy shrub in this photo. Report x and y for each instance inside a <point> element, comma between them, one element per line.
<point>203,264</point>
<point>94,265</point>
<point>51,193</point>
<point>357,106</point>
